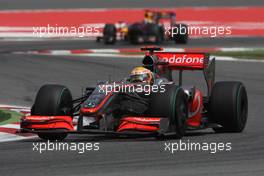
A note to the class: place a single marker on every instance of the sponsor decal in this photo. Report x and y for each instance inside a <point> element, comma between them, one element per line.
<point>182,59</point>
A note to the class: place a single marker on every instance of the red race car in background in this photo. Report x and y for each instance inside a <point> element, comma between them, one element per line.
<point>155,28</point>
<point>172,110</point>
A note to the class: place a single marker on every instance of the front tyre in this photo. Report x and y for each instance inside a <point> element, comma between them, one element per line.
<point>109,34</point>
<point>174,107</point>
<point>53,100</point>
<point>229,106</point>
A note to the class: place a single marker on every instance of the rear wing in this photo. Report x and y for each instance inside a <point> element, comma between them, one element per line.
<point>163,63</point>
<point>183,61</point>
<point>160,15</point>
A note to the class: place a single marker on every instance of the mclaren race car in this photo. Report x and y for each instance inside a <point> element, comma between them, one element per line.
<point>155,28</point>
<point>147,103</point>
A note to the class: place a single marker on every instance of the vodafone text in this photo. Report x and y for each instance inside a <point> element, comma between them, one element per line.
<point>182,60</point>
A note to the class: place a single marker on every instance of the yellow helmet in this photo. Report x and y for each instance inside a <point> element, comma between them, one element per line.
<point>141,74</point>
<point>149,16</point>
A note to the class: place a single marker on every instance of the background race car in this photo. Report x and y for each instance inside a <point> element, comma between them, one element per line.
<point>156,28</point>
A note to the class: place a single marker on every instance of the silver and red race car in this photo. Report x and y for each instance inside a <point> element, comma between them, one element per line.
<point>164,108</point>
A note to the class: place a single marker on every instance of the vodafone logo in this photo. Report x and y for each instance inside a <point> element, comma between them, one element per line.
<point>182,59</point>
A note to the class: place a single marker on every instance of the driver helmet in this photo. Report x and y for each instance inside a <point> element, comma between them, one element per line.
<point>148,16</point>
<point>141,75</point>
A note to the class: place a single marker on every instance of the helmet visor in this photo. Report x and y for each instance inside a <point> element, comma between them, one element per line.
<point>139,78</point>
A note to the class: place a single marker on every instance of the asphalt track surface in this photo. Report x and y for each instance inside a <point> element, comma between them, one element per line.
<point>58,4</point>
<point>22,75</point>
<point>9,46</point>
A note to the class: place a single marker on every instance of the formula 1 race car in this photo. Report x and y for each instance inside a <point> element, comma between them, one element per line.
<point>161,108</point>
<point>151,29</point>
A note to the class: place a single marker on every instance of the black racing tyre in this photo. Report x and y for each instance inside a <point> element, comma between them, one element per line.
<point>229,106</point>
<point>181,34</point>
<point>134,32</point>
<point>157,31</point>
<point>161,33</point>
<point>134,39</point>
<point>109,34</point>
<point>53,100</point>
<point>171,104</point>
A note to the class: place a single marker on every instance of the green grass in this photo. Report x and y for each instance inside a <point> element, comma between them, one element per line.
<point>7,116</point>
<point>249,54</point>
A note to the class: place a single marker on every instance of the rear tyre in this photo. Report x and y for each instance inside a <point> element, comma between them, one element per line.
<point>173,106</point>
<point>134,33</point>
<point>109,34</point>
<point>229,106</point>
<point>159,36</point>
<point>53,100</point>
<point>181,34</point>
<point>158,33</point>
<point>134,39</point>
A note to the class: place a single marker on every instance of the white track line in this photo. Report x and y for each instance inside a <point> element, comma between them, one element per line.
<point>6,137</point>
<point>14,106</point>
<point>13,126</point>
